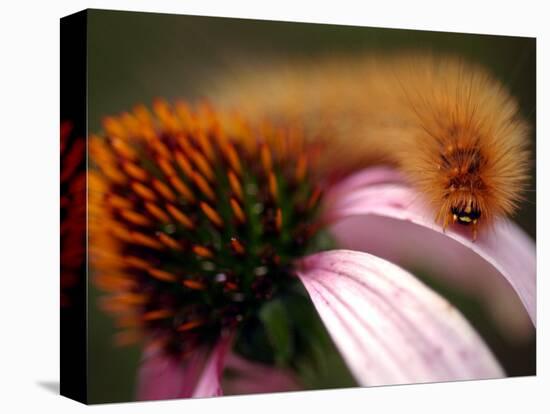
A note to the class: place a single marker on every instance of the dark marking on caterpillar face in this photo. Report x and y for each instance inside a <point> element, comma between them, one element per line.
<point>461,160</point>
<point>465,216</point>
<point>462,167</point>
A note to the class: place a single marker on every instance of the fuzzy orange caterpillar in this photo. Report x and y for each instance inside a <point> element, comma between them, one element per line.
<point>449,125</point>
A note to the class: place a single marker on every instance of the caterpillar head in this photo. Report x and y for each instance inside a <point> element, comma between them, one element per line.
<point>464,206</point>
<point>475,187</point>
<point>465,190</point>
<point>465,209</point>
<point>482,170</point>
<point>468,215</point>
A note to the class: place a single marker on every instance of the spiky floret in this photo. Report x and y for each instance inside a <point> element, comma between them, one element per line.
<point>73,211</point>
<point>195,220</point>
<point>449,125</point>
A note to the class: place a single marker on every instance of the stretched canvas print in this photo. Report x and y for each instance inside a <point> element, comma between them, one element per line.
<point>256,206</point>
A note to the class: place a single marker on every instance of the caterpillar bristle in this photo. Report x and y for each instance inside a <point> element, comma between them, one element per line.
<point>449,125</point>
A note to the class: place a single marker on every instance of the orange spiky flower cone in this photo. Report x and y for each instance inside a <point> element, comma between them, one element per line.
<point>195,220</point>
<point>73,211</point>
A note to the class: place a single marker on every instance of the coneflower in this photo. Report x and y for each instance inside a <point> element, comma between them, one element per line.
<point>73,211</point>
<point>198,219</point>
<point>205,227</point>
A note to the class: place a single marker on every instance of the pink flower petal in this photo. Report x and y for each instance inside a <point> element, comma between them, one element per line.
<point>404,243</point>
<point>247,377</point>
<point>401,228</point>
<point>209,384</point>
<point>164,377</point>
<point>389,327</point>
<point>366,178</point>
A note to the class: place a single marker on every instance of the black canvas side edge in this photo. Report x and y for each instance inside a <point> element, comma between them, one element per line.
<point>73,110</point>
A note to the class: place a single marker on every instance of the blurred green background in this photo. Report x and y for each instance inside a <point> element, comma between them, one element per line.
<point>135,57</point>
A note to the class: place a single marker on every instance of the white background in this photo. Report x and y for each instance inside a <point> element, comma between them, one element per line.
<point>29,197</point>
